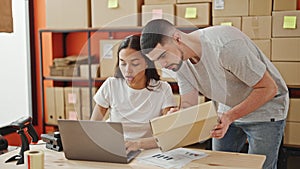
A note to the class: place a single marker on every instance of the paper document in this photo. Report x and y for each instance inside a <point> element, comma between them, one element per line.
<point>184,127</point>
<point>174,159</point>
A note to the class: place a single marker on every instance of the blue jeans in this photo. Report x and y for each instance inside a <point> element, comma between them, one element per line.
<point>263,137</point>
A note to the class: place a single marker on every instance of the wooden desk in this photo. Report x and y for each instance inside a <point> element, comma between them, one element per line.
<point>222,160</point>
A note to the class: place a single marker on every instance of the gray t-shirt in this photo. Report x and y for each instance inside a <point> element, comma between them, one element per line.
<point>231,64</point>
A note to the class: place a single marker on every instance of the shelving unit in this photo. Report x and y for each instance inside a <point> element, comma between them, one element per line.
<point>89,80</point>
<point>294,90</point>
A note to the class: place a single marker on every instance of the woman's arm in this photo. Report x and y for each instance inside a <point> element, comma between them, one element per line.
<point>98,113</point>
<point>143,143</point>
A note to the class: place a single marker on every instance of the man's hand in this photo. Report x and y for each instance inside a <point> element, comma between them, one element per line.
<point>220,130</point>
<point>132,145</point>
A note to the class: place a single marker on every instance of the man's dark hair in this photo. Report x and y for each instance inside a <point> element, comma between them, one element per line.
<point>154,32</point>
<point>133,42</point>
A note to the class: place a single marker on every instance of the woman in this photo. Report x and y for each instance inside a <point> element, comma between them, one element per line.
<point>134,95</point>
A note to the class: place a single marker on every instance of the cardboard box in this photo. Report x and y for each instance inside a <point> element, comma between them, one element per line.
<point>108,57</point>
<point>164,11</point>
<point>286,24</point>
<point>192,1</point>
<point>184,127</point>
<point>257,27</point>
<point>201,99</point>
<point>72,70</point>
<point>230,8</point>
<point>292,134</point>
<point>120,13</point>
<point>260,8</point>
<point>284,5</point>
<point>84,71</point>
<point>66,14</point>
<point>285,49</point>
<point>294,109</point>
<point>231,21</point>
<point>159,2</point>
<point>290,72</point>
<point>265,46</point>
<point>6,19</point>
<point>198,14</point>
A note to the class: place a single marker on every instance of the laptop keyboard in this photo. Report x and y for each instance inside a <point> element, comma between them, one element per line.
<point>132,154</point>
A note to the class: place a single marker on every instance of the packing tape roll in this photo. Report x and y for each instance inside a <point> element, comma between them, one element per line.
<point>34,159</point>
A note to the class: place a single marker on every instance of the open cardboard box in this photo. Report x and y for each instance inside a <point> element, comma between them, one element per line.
<point>184,127</point>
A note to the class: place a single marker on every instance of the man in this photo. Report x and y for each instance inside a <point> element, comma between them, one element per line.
<point>226,66</point>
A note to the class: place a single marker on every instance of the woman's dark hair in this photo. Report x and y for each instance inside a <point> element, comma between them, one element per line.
<point>133,42</point>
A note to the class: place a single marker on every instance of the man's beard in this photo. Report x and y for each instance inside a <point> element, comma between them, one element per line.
<point>178,64</point>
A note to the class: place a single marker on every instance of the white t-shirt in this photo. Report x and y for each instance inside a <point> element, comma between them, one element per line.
<point>134,108</point>
<point>231,64</point>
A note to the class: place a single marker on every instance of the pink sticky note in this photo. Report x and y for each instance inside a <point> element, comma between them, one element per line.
<point>157,14</point>
<point>72,115</point>
<point>72,98</point>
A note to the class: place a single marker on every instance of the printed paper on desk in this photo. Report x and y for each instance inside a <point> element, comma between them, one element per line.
<point>174,159</point>
<point>184,127</point>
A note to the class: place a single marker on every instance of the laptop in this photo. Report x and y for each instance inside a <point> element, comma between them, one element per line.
<point>94,141</point>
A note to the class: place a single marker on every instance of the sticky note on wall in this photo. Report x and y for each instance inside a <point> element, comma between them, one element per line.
<point>190,13</point>
<point>226,23</point>
<point>289,22</point>
<point>113,4</point>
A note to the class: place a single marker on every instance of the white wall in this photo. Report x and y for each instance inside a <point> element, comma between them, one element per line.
<point>15,88</point>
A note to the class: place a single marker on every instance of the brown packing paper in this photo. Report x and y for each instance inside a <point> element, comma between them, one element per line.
<point>185,127</point>
<point>6,20</point>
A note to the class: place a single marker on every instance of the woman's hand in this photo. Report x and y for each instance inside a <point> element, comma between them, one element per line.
<point>132,145</point>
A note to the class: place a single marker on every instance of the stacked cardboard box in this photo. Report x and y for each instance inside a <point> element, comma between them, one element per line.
<point>73,66</point>
<point>285,45</point>
<point>253,17</point>
<point>115,13</point>
<point>229,12</point>
<point>108,56</point>
<point>67,14</point>
<point>292,136</point>
<point>286,57</point>
<point>180,12</point>
<point>190,13</point>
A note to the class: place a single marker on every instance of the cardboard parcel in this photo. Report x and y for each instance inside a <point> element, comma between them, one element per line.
<point>184,127</point>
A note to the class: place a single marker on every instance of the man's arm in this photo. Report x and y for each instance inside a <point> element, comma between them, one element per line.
<point>189,99</point>
<point>262,92</point>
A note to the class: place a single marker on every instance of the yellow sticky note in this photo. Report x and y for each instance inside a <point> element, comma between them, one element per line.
<point>226,23</point>
<point>190,13</point>
<point>113,4</point>
<point>289,22</point>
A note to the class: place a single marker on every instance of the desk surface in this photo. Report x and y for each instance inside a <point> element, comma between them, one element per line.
<point>215,159</point>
